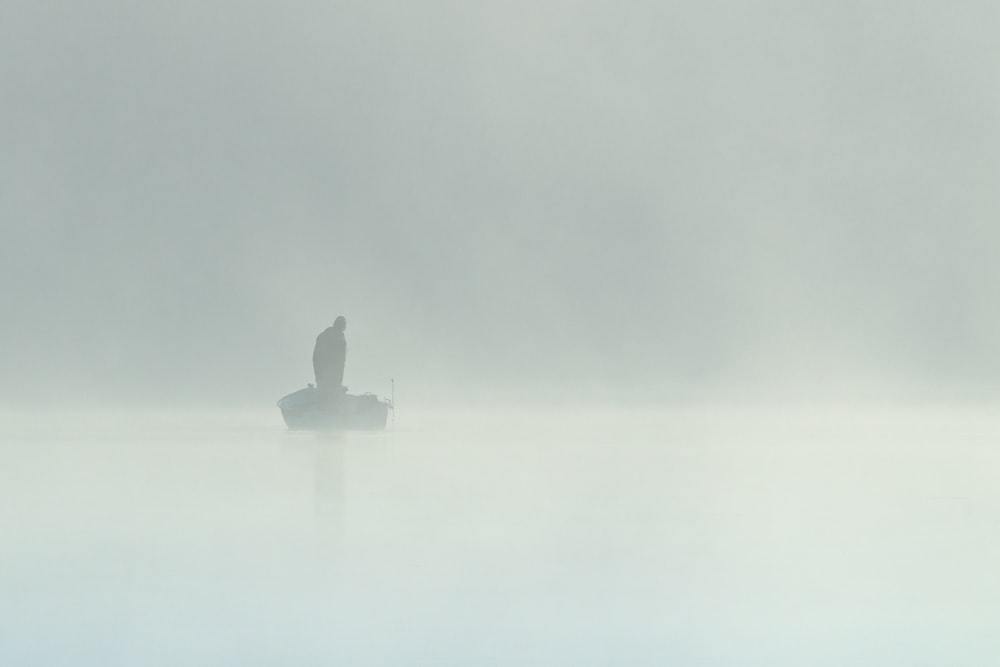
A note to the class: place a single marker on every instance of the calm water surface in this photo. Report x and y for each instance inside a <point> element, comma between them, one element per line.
<point>685,537</point>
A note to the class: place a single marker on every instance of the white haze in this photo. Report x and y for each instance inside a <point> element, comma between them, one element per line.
<point>622,260</point>
<point>697,537</point>
<point>515,201</point>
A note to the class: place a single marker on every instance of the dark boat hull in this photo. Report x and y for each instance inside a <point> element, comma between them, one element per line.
<point>306,409</point>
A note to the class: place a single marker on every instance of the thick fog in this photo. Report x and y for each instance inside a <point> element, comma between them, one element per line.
<point>507,200</point>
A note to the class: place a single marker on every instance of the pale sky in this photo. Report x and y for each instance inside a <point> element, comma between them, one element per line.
<point>665,198</point>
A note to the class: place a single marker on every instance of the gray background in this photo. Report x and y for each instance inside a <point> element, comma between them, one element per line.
<point>506,200</point>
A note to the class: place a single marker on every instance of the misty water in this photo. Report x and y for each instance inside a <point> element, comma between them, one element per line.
<point>689,536</point>
<point>591,203</point>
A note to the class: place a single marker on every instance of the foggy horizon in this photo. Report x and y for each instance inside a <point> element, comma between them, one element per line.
<point>673,201</point>
<point>687,311</point>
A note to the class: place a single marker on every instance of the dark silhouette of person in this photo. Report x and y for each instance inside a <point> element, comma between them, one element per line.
<point>329,356</point>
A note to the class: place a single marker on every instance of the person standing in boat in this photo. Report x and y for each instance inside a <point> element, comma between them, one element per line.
<point>329,356</point>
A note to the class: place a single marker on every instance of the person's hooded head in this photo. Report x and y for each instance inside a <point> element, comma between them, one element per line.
<point>340,324</point>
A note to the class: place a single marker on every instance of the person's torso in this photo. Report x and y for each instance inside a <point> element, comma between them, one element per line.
<point>332,343</point>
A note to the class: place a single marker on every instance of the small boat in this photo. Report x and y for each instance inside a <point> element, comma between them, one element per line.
<point>306,409</point>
